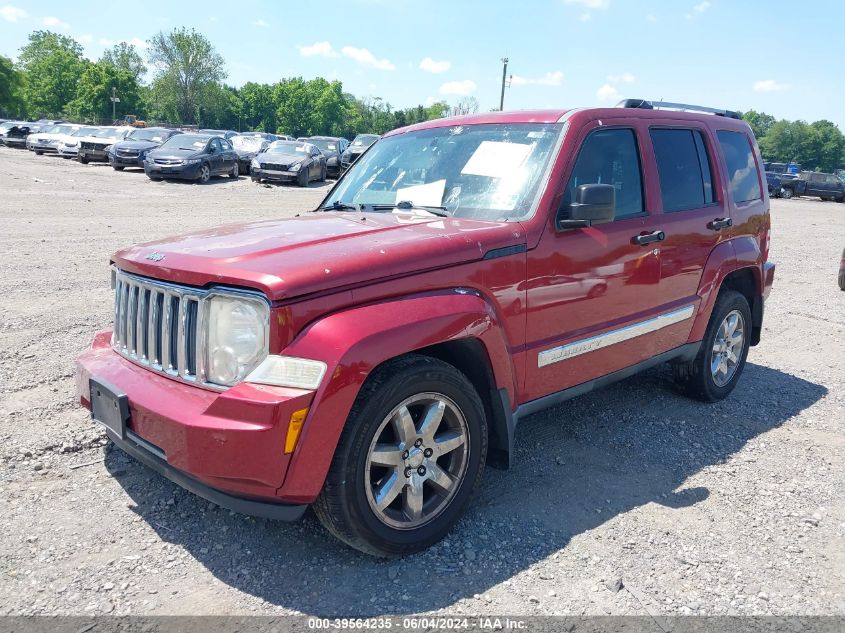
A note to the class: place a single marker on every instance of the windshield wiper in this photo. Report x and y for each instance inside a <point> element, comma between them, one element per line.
<point>337,205</point>
<point>407,205</point>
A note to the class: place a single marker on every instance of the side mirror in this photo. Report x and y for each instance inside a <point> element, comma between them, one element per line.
<point>212,149</point>
<point>594,204</point>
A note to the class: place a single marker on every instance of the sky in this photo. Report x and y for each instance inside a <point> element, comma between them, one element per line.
<point>780,57</point>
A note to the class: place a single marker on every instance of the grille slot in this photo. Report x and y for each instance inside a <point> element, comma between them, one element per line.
<point>157,325</point>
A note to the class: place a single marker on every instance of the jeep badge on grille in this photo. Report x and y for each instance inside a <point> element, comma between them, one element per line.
<point>156,257</point>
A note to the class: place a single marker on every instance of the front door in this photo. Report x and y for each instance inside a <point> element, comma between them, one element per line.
<point>586,286</point>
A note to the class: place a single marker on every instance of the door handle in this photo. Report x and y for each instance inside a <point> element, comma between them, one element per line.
<point>720,223</point>
<point>648,238</point>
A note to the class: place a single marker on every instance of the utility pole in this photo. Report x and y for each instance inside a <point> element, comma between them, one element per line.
<point>504,78</point>
<point>114,101</point>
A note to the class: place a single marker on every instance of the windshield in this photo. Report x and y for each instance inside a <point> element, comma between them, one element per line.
<point>248,143</point>
<point>287,147</point>
<point>364,140</point>
<point>156,136</point>
<point>326,146</point>
<point>85,131</point>
<point>489,172</point>
<point>186,141</point>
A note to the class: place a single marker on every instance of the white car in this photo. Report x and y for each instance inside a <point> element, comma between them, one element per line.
<point>68,145</point>
<point>48,139</point>
<point>97,146</point>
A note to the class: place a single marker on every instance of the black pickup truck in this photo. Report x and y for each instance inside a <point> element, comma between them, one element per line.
<point>814,183</point>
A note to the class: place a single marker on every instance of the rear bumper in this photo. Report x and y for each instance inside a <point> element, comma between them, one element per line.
<point>227,447</point>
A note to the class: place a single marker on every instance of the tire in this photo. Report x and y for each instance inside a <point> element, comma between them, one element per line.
<point>787,193</point>
<point>302,178</point>
<point>423,386</point>
<point>323,174</point>
<point>254,179</point>
<point>205,174</point>
<point>117,167</point>
<point>235,171</point>
<point>155,178</point>
<point>697,378</point>
<point>840,199</point>
<point>38,153</point>
<point>84,161</point>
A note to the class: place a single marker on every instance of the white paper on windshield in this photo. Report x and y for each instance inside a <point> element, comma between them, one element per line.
<point>495,159</point>
<point>199,143</point>
<point>427,195</point>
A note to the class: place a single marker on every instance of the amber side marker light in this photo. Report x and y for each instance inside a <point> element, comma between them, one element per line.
<point>297,419</point>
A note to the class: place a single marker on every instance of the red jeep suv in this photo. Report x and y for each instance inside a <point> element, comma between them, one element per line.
<point>370,357</point>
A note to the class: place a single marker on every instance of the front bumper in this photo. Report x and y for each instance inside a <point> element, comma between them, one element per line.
<point>268,174</point>
<point>227,447</point>
<point>68,151</point>
<point>93,154</point>
<point>42,147</point>
<point>15,141</point>
<point>125,161</point>
<point>186,172</point>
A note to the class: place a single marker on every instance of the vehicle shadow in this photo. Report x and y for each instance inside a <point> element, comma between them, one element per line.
<point>577,466</point>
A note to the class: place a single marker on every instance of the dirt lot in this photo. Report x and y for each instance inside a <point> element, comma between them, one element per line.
<point>737,507</point>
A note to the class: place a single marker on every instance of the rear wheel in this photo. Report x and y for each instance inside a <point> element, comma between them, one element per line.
<point>323,174</point>
<point>117,167</point>
<point>410,456</point>
<point>302,177</point>
<point>38,152</point>
<point>84,161</point>
<point>235,171</point>
<point>715,370</point>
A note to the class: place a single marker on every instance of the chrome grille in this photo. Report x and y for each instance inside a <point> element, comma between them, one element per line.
<point>157,325</point>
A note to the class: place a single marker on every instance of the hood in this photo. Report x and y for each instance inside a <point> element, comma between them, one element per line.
<point>278,157</point>
<point>170,152</point>
<point>318,252</point>
<point>243,153</point>
<point>140,145</point>
<point>45,136</point>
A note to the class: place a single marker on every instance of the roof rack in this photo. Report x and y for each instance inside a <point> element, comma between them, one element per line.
<point>651,105</point>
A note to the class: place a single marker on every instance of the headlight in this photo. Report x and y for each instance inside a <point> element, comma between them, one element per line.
<point>191,161</point>
<point>74,144</point>
<point>237,337</point>
<point>295,166</point>
<point>255,164</point>
<point>108,149</point>
<point>286,371</point>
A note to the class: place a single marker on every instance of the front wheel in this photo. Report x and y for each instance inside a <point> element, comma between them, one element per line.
<point>205,173</point>
<point>302,177</point>
<point>787,193</point>
<point>411,454</point>
<point>84,161</point>
<point>716,369</point>
<point>117,167</point>
<point>235,171</point>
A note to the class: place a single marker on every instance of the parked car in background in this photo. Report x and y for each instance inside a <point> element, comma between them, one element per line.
<point>815,183</point>
<point>331,147</point>
<point>774,183</point>
<point>48,138</point>
<point>286,161</point>
<point>17,134</point>
<point>227,134</point>
<point>68,145</point>
<point>192,157</point>
<point>132,151</point>
<point>248,146</point>
<point>5,127</point>
<point>97,146</point>
<point>270,138</point>
<point>357,147</point>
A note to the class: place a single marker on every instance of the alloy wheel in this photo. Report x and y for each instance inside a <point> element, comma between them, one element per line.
<point>727,348</point>
<point>416,461</point>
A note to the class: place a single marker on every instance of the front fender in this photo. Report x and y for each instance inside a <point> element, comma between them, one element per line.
<point>353,342</point>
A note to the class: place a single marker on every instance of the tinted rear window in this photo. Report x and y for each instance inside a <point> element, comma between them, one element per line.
<point>684,168</point>
<point>742,169</point>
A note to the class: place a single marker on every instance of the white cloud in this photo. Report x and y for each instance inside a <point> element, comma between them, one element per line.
<point>137,42</point>
<point>85,39</point>
<point>318,49</point>
<point>698,9</point>
<point>608,93</point>
<point>52,20</point>
<point>626,78</point>
<point>585,17</point>
<point>549,79</point>
<point>431,66</point>
<point>590,4</point>
<point>261,23</point>
<point>465,87</point>
<point>769,85</point>
<point>365,57</point>
<point>12,14</point>
<point>651,18</point>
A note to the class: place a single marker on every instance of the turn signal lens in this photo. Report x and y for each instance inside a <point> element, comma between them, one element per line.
<point>297,419</point>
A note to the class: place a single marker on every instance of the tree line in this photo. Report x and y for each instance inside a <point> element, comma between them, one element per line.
<point>817,146</point>
<point>52,79</point>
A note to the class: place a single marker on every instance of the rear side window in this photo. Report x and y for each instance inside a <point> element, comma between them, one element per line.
<point>610,157</point>
<point>742,169</point>
<point>686,180</point>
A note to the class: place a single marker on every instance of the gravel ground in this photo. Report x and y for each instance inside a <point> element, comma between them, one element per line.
<point>629,501</point>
